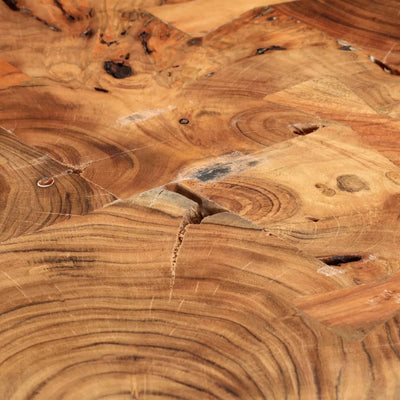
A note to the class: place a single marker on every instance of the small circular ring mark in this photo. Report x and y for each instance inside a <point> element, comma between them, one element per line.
<point>45,182</point>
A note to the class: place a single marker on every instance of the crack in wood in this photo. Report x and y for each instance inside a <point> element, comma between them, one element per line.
<point>193,216</point>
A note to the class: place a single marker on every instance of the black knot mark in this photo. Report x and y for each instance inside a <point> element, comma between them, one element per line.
<point>339,260</point>
<point>118,70</point>
<point>196,41</point>
<point>144,37</point>
<point>346,48</point>
<point>99,89</point>
<point>67,15</point>
<point>385,67</point>
<point>263,50</point>
<point>184,121</point>
<point>108,44</point>
<point>12,4</point>
<point>88,33</point>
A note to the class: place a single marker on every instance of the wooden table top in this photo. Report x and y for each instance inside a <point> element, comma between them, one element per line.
<point>199,199</point>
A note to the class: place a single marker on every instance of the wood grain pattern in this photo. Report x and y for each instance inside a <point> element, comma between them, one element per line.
<point>119,322</point>
<point>10,76</point>
<point>199,200</point>
<point>373,26</point>
<point>330,98</point>
<point>225,331</point>
<point>325,192</point>
<point>201,16</point>
<point>27,207</point>
<point>354,312</point>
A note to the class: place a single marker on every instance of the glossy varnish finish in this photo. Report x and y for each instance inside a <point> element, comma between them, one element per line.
<point>199,200</point>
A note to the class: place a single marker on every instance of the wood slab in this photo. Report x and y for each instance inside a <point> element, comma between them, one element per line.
<point>201,16</point>
<point>326,192</point>
<point>199,200</point>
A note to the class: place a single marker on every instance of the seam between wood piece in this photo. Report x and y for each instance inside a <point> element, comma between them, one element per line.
<point>353,313</point>
<point>202,16</point>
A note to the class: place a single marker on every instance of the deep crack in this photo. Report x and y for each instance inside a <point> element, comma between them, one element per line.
<point>192,216</point>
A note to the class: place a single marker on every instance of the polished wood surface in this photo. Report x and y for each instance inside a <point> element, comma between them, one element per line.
<point>199,200</point>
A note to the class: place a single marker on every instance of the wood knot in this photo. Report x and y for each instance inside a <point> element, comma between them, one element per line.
<point>351,183</point>
<point>118,70</point>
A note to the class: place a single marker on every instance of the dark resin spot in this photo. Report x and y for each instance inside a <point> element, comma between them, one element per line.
<point>263,50</point>
<point>88,33</point>
<point>196,41</point>
<point>385,67</point>
<point>118,70</point>
<point>184,121</point>
<point>12,4</point>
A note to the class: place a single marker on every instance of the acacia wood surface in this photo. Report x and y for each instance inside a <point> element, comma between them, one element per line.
<point>199,200</point>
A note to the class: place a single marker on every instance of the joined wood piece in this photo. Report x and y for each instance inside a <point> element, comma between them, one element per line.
<point>10,75</point>
<point>353,313</point>
<point>201,16</point>
<point>37,191</point>
<point>330,98</point>
<point>374,26</point>
<point>326,192</point>
<point>93,301</point>
<point>252,218</point>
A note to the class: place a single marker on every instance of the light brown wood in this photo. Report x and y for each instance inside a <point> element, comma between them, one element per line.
<point>201,16</point>
<point>37,191</point>
<point>326,192</point>
<point>10,76</point>
<point>199,200</point>
<point>354,312</point>
<point>372,26</point>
